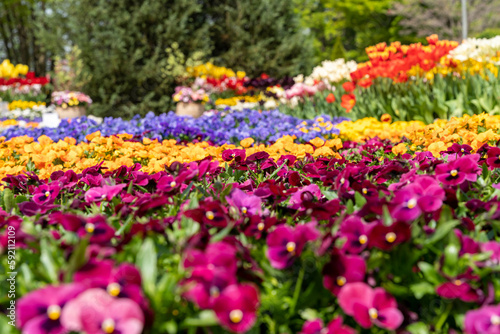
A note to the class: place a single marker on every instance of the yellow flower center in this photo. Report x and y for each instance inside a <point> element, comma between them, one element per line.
<point>495,320</point>
<point>210,215</point>
<point>365,191</point>
<point>454,173</point>
<point>457,282</point>
<point>373,313</point>
<point>341,280</point>
<point>244,210</point>
<point>47,194</point>
<point>89,227</point>
<point>54,312</point>
<point>260,226</point>
<point>108,326</point>
<point>363,239</point>
<point>113,289</point>
<point>390,237</point>
<point>236,316</point>
<point>462,150</point>
<point>342,181</point>
<point>173,184</point>
<point>290,246</point>
<point>411,203</point>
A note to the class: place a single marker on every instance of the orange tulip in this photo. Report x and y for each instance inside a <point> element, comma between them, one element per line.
<point>348,101</point>
<point>349,86</point>
<point>330,98</point>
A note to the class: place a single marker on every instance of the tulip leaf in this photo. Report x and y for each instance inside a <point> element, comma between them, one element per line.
<point>146,261</point>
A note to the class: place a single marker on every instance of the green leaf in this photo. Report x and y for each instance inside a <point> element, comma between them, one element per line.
<point>205,318</point>
<point>8,200</point>
<point>442,230</point>
<point>421,289</point>
<point>349,207</point>
<point>146,261</point>
<point>48,261</point>
<point>309,314</point>
<point>451,259</point>
<point>430,273</point>
<point>417,328</point>
<point>222,233</point>
<point>386,216</point>
<point>20,199</point>
<point>77,259</point>
<point>360,199</point>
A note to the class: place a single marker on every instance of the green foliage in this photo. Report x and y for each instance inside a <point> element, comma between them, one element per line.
<point>124,44</point>
<point>68,72</point>
<point>418,99</point>
<point>177,62</point>
<point>356,23</point>
<point>258,36</point>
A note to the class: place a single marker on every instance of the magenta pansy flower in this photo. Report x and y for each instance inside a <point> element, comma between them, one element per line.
<point>103,193</point>
<point>356,232</point>
<point>96,312</point>
<point>484,320</point>
<point>246,204</point>
<point>459,170</point>
<point>335,326</point>
<point>370,306</point>
<point>40,311</point>
<point>236,307</point>
<point>343,269</point>
<point>286,243</point>
<point>46,194</point>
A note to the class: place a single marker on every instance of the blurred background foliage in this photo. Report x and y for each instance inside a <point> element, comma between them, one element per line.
<point>130,51</point>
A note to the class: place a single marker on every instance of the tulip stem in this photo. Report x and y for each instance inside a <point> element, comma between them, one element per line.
<point>296,293</point>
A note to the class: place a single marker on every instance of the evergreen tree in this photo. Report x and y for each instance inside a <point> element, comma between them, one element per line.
<point>258,36</point>
<point>123,45</point>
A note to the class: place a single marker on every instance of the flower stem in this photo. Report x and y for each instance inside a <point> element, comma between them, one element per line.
<point>296,293</point>
<point>444,316</point>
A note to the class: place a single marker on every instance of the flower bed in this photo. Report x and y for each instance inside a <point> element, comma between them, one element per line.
<point>255,221</point>
<point>366,237</point>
